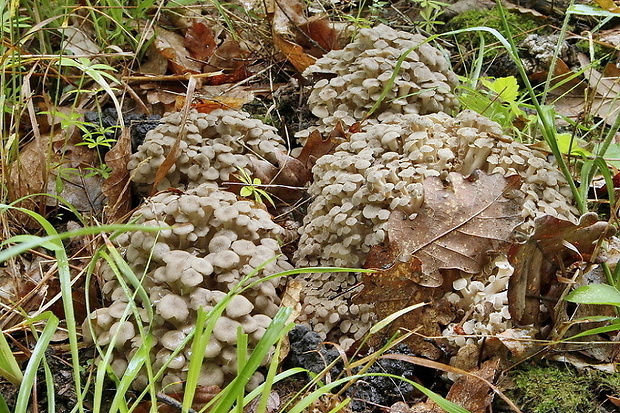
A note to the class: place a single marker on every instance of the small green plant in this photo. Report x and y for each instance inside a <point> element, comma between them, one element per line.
<point>430,10</point>
<point>499,100</point>
<point>251,188</point>
<point>96,136</point>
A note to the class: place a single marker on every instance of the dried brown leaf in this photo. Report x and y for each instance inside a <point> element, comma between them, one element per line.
<point>117,186</point>
<point>574,99</point>
<point>172,46</point>
<point>472,393</point>
<point>457,226</point>
<point>604,86</point>
<point>292,171</point>
<point>28,173</point>
<point>284,14</point>
<point>554,242</point>
<point>608,5</point>
<point>230,56</point>
<point>200,40</point>
<point>294,53</point>
<point>222,102</point>
<point>322,31</point>
<point>394,287</point>
<point>316,146</point>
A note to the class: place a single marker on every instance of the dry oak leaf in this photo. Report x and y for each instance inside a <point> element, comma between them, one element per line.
<point>555,243</point>
<point>396,286</point>
<point>472,393</point>
<point>457,226</point>
<point>455,229</point>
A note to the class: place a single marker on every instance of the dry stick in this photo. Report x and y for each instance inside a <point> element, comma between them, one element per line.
<point>174,151</point>
<point>167,78</point>
<point>449,369</point>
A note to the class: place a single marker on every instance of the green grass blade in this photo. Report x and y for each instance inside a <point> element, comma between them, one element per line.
<point>25,390</point>
<point>9,369</point>
<point>138,360</point>
<point>49,386</point>
<point>276,330</point>
<point>269,380</point>
<point>279,377</point>
<point>597,330</point>
<point>4,408</point>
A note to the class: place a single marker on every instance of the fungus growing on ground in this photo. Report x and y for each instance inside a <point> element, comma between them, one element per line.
<point>381,169</point>
<point>193,265</point>
<point>359,73</point>
<point>213,146</point>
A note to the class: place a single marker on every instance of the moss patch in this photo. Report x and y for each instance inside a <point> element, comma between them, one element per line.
<point>518,24</point>
<point>559,389</point>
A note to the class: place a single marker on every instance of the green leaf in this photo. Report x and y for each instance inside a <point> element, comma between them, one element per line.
<point>25,390</point>
<point>4,408</point>
<point>567,143</point>
<point>506,88</point>
<point>245,191</point>
<point>597,330</point>
<point>51,245</point>
<point>612,155</point>
<point>595,294</point>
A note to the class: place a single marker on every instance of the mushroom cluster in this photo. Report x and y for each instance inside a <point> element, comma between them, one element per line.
<point>353,79</point>
<point>212,146</point>
<point>484,299</point>
<point>381,169</point>
<point>215,241</point>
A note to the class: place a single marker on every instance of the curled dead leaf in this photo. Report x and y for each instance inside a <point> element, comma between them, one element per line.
<point>117,187</point>
<point>555,242</point>
<point>200,40</point>
<point>172,46</point>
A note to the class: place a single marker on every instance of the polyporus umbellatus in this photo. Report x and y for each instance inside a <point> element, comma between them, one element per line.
<point>213,146</point>
<point>214,242</point>
<point>381,169</point>
<point>358,74</point>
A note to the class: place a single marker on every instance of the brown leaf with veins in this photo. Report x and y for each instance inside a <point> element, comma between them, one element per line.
<point>316,146</point>
<point>474,394</point>
<point>455,229</point>
<point>320,30</point>
<point>556,243</point>
<point>457,226</point>
<point>393,289</point>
